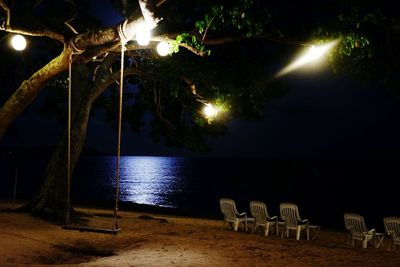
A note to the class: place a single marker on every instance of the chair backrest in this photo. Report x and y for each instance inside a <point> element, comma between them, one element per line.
<point>392,227</point>
<point>259,211</point>
<point>355,224</point>
<point>228,208</point>
<point>289,213</point>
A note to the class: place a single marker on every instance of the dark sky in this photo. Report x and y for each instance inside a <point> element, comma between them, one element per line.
<point>323,116</point>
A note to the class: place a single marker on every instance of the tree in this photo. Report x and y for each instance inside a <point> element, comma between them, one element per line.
<point>220,57</point>
<point>173,89</point>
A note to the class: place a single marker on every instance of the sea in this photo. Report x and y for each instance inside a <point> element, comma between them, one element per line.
<point>323,190</point>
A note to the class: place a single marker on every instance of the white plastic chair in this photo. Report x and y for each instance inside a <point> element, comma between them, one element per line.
<point>392,229</point>
<point>231,215</point>
<point>290,215</point>
<point>259,211</point>
<point>355,224</point>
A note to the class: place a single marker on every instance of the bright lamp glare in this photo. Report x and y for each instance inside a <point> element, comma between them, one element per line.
<point>143,34</point>
<point>163,48</point>
<point>311,55</point>
<point>18,42</point>
<point>210,111</point>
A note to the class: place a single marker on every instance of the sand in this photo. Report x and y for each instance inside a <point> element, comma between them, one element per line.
<point>165,240</point>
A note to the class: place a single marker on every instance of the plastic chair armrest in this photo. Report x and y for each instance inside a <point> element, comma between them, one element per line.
<point>372,231</point>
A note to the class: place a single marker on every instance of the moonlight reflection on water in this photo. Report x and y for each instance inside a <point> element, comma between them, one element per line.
<point>149,180</point>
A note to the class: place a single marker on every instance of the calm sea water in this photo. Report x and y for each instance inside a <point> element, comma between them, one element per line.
<point>323,190</point>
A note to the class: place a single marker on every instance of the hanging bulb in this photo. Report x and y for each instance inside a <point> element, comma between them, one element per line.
<point>163,48</point>
<point>210,111</point>
<point>18,42</point>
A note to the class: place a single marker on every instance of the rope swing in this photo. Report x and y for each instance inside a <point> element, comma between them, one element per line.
<point>124,37</point>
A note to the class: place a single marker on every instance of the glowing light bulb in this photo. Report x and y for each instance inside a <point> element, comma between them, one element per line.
<point>18,42</point>
<point>143,33</point>
<point>163,48</point>
<point>210,111</point>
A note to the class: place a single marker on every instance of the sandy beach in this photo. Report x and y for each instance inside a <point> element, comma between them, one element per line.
<point>149,239</point>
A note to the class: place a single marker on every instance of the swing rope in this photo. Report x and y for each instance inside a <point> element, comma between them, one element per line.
<point>124,38</point>
<point>67,218</point>
<point>118,173</point>
<point>74,50</point>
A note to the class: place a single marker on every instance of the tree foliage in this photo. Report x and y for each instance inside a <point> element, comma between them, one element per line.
<point>368,33</point>
<point>370,41</point>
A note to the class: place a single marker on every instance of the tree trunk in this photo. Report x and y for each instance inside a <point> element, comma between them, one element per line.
<point>50,202</point>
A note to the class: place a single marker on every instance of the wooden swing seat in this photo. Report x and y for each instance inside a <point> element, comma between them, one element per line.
<point>82,228</point>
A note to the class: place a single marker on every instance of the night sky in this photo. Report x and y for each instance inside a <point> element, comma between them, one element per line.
<point>323,116</point>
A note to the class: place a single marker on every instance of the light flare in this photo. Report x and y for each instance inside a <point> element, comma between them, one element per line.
<point>210,112</point>
<point>143,33</point>
<point>312,55</point>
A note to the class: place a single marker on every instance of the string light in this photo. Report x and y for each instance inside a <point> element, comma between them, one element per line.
<point>18,42</point>
<point>163,48</point>
<point>210,112</point>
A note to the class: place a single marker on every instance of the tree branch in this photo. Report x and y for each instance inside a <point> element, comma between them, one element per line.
<point>206,30</point>
<point>169,38</point>
<point>30,88</point>
<point>8,28</point>
<point>225,40</point>
<point>157,102</point>
<point>109,35</point>
<point>110,78</point>
<point>148,12</point>
<point>67,23</point>
<point>266,36</point>
<point>160,2</point>
<point>38,33</point>
<point>7,10</point>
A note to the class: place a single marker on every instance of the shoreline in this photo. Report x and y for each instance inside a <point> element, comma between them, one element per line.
<point>163,211</point>
<point>107,206</point>
<point>154,239</point>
